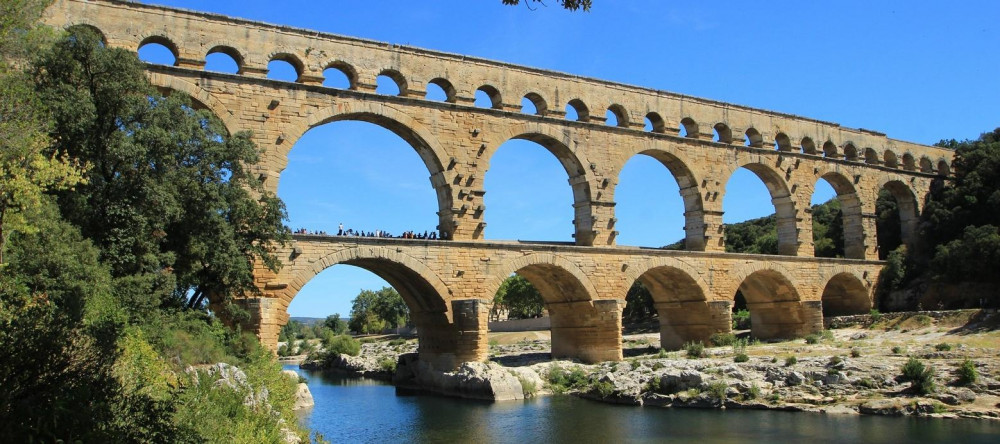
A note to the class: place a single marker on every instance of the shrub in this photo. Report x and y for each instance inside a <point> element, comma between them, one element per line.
<point>653,385</point>
<point>753,392</point>
<point>398,341</point>
<point>634,364</point>
<point>661,354</point>
<point>943,346</point>
<point>742,357</point>
<point>658,365</point>
<point>826,335</point>
<point>855,353</point>
<point>812,339</point>
<point>387,365</point>
<point>867,383</point>
<point>717,390</point>
<point>283,350</point>
<point>561,379</point>
<point>790,361</point>
<point>875,315</point>
<point>967,373</point>
<point>602,388</point>
<point>741,320</point>
<point>834,360</point>
<point>343,344</point>
<point>922,320</point>
<point>527,386</point>
<point>722,339</point>
<point>898,350</point>
<point>921,377</point>
<point>694,349</point>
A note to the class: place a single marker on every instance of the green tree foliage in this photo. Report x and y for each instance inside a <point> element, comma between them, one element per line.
<point>887,224</point>
<point>572,5</point>
<point>335,324</point>
<point>638,304</point>
<point>755,236</point>
<point>374,311</point>
<point>521,299</point>
<point>828,229</point>
<point>168,189</point>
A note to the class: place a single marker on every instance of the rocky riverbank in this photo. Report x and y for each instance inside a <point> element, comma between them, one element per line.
<point>849,370</point>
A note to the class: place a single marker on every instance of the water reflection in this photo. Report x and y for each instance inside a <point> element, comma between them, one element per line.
<point>365,410</point>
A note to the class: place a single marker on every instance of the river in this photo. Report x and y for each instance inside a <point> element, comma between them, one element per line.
<point>365,410</point>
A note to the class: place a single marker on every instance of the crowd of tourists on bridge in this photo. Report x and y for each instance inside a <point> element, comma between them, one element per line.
<point>432,235</point>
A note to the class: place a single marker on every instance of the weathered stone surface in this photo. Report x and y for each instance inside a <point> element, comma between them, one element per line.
<point>477,380</point>
<point>449,284</point>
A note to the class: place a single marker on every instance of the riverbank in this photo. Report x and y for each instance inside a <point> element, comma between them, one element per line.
<point>854,369</point>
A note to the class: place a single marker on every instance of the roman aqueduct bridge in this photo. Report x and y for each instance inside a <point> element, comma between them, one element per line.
<point>448,285</point>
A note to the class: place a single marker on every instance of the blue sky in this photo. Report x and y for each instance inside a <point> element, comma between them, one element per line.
<point>916,70</point>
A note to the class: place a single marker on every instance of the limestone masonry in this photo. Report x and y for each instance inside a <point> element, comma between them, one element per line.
<point>449,284</point>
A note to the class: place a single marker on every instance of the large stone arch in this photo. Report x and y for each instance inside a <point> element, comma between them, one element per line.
<point>580,177</point>
<point>908,204</point>
<point>777,311</point>
<point>680,169</point>
<point>852,212</point>
<point>781,198</point>
<point>418,136</point>
<point>846,292</point>
<point>680,296</point>
<point>440,331</point>
<point>581,327</point>
<point>203,98</point>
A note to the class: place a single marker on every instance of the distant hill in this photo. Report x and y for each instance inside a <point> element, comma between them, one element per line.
<point>306,321</point>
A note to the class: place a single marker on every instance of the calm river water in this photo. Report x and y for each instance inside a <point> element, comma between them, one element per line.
<point>364,410</point>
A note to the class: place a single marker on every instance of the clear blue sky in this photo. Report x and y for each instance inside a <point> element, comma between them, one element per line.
<point>916,70</point>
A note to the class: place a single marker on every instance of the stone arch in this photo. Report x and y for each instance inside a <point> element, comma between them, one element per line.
<point>450,93</point>
<point>541,107</point>
<point>440,340</point>
<point>398,78</point>
<point>784,205</point>
<point>496,101</point>
<point>943,168</point>
<point>581,327</point>
<point>421,288</point>
<point>808,146</point>
<point>725,133</point>
<point>582,112</point>
<point>909,209</point>
<point>291,59</point>
<point>909,164</point>
<point>925,165</point>
<point>201,97</point>
<point>347,69</point>
<point>621,115</point>
<point>890,159</point>
<point>656,122</point>
<point>852,214</point>
<point>680,298</point>
<point>782,142</point>
<point>754,138</point>
<point>694,211</point>
<point>845,293</point>
<point>830,150</point>
<point>230,51</point>
<point>850,152</point>
<point>776,309</point>
<point>399,123</point>
<point>690,127</point>
<point>871,156</point>
<point>89,27</point>
<point>578,176</point>
<point>568,280</point>
<point>160,39</point>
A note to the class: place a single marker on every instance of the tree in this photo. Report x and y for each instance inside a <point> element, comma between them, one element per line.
<point>26,174</point>
<point>374,311</point>
<point>521,299</point>
<point>571,5</point>
<point>638,303</point>
<point>170,198</point>
<point>335,324</point>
